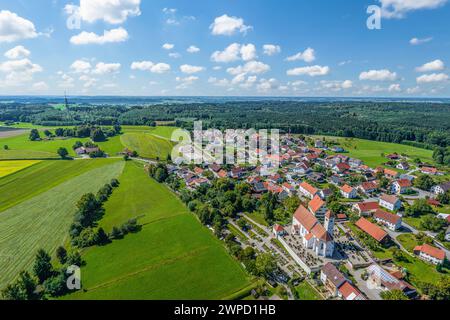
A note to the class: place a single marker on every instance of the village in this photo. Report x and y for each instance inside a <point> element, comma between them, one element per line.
<point>348,214</point>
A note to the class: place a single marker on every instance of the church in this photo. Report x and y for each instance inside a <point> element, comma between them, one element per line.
<point>314,235</point>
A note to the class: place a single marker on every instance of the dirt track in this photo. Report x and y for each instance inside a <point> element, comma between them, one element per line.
<point>11,133</point>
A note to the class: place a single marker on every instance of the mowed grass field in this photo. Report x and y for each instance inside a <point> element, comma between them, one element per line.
<point>172,257</point>
<point>43,221</point>
<point>9,167</point>
<point>370,151</point>
<point>147,145</point>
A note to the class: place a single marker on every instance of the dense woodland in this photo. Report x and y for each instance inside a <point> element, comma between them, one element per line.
<point>420,124</point>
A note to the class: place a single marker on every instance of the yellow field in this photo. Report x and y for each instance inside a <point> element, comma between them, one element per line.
<point>8,167</point>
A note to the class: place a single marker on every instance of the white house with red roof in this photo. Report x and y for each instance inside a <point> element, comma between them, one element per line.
<point>392,221</point>
<point>366,208</point>
<point>278,230</point>
<point>317,206</point>
<point>401,186</point>
<point>368,187</point>
<point>349,292</point>
<point>430,254</point>
<point>390,202</point>
<point>307,190</point>
<point>313,235</point>
<point>348,192</point>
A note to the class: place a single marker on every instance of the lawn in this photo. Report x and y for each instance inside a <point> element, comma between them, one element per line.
<point>306,292</point>
<point>370,151</point>
<point>41,177</point>
<point>43,221</point>
<point>147,145</point>
<point>172,257</point>
<point>408,241</point>
<point>10,167</point>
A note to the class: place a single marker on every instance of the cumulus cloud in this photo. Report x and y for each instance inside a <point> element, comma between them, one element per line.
<point>109,36</point>
<point>271,49</point>
<point>417,41</point>
<point>18,71</point>
<point>394,88</point>
<point>234,52</point>
<point>185,82</point>
<point>312,71</point>
<point>193,49</point>
<point>186,68</point>
<point>168,46</point>
<point>14,27</point>
<point>434,77</point>
<point>337,85</point>
<point>106,68</point>
<point>399,8</point>
<point>81,66</point>
<point>227,26</point>
<point>436,65</point>
<point>110,11</point>
<point>150,66</point>
<point>252,67</point>
<point>175,55</point>
<point>378,75</point>
<point>266,85</point>
<point>39,86</point>
<point>308,56</point>
<point>18,52</point>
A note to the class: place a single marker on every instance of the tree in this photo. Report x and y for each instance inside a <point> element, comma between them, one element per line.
<point>42,267</point>
<point>47,133</point>
<point>393,295</point>
<point>116,233</point>
<point>77,145</point>
<point>424,182</point>
<point>161,174</point>
<point>97,135</point>
<point>34,135</point>
<point>24,288</point>
<point>117,128</point>
<point>61,255</point>
<point>5,147</point>
<point>56,286</point>
<point>265,264</point>
<point>63,153</point>
<point>418,208</point>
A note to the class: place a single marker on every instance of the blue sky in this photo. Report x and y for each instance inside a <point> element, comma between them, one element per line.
<point>236,48</point>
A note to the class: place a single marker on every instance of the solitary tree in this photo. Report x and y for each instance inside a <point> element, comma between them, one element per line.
<point>34,135</point>
<point>5,147</point>
<point>63,153</point>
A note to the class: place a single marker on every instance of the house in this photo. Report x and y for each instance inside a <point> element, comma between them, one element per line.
<point>319,144</point>
<point>393,156</point>
<point>401,186</point>
<point>390,202</point>
<point>198,171</point>
<point>368,187</point>
<point>348,192</point>
<point>332,278</point>
<point>237,173</point>
<point>222,174</point>
<point>317,206</point>
<point>403,166</point>
<point>307,190</point>
<point>390,220</point>
<point>313,234</point>
<point>366,208</point>
<point>379,278</point>
<point>279,231</point>
<point>441,188</point>
<point>430,254</point>
<point>431,171</point>
<point>447,234</point>
<point>341,168</point>
<point>348,292</point>
<point>373,230</point>
<point>336,180</point>
<point>317,177</point>
<point>391,174</point>
<point>325,193</point>
<point>289,188</point>
<point>338,149</point>
<point>355,163</point>
<point>259,187</point>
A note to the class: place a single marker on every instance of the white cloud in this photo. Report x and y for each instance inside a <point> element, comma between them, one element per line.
<point>252,67</point>
<point>110,11</point>
<point>40,86</point>
<point>434,77</point>
<point>271,49</point>
<point>18,71</point>
<point>150,66</point>
<point>109,36</point>
<point>168,46</point>
<point>436,65</point>
<point>185,82</point>
<point>308,56</point>
<point>378,75</point>
<point>18,52</point>
<point>67,81</point>
<point>399,8</point>
<point>337,85</point>
<point>14,28</point>
<point>312,71</point>
<point>106,68</point>
<point>186,68</point>
<point>175,55</point>
<point>193,49</point>
<point>266,85</point>
<point>234,52</point>
<point>413,90</point>
<point>395,88</point>
<point>219,82</point>
<point>81,66</point>
<point>417,41</point>
<point>227,26</point>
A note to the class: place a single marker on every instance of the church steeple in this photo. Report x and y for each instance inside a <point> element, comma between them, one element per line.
<point>329,222</point>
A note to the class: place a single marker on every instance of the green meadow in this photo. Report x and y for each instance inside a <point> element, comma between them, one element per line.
<point>43,221</point>
<point>172,257</point>
<point>147,145</point>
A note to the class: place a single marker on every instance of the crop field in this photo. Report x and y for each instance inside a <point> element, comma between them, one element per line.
<point>172,257</point>
<point>370,151</point>
<point>43,221</point>
<point>147,145</point>
<point>10,167</point>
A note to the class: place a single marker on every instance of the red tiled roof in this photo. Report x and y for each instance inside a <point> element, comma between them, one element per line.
<point>320,233</point>
<point>390,172</point>
<point>222,173</point>
<point>346,188</point>
<point>343,166</point>
<point>389,199</point>
<point>347,290</point>
<point>386,216</point>
<point>309,188</point>
<point>404,183</point>
<point>368,206</point>
<point>306,218</point>
<point>315,204</point>
<point>368,186</point>
<point>431,251</point>
<point>278,228</point>
<point>373,230</point>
